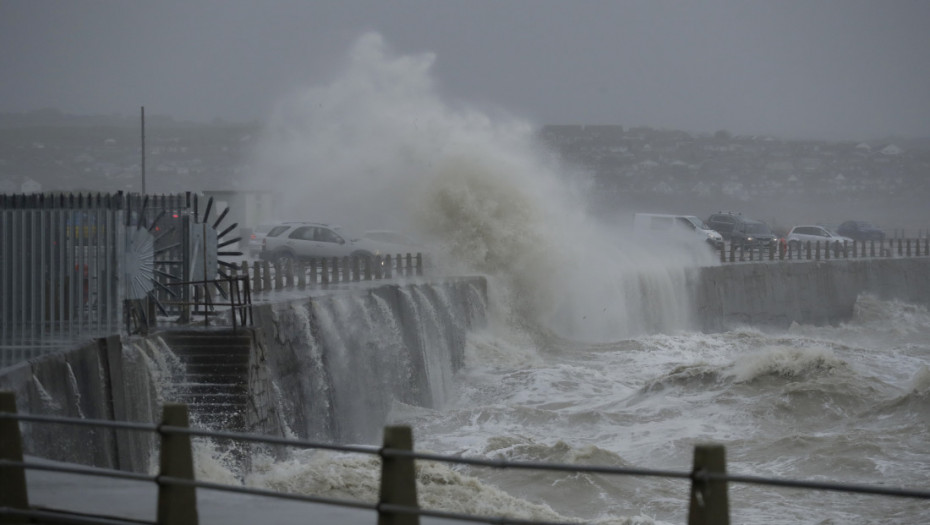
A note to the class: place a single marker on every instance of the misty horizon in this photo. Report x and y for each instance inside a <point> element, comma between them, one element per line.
<point>834,70</point>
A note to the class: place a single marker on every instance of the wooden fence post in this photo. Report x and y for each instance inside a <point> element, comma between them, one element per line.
<point>419,264</point>
<point>387,266</point>
<point>256,277</point>
<point>266,276</point>
<point>177,504</point>
<point>709,502</point>
<point>398,479</point>
<point>12,479</point>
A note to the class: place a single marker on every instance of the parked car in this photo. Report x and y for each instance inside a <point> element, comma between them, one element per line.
<point>750,233</point>
<point>254,237</point>
<point>723,222</point>
<point>799,235</point>
<point>676,227</point>
<point>861,231</point>
<point>304,240</point>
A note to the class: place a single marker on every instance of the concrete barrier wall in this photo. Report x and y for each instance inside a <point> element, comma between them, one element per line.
<point>330,366</point>
<point>294,379</point>
<point>818,292</point>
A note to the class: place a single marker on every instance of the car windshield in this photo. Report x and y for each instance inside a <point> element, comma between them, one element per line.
<point>757,228</point>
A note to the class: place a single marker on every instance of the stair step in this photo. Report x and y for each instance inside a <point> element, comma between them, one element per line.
<point>216,368</point>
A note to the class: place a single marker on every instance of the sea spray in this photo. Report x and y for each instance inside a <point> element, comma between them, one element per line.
<point>379,145</point>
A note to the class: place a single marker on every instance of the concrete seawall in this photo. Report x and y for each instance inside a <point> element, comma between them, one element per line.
<point>316,356</point>
<point>816,292</point>
<point>331,363</point>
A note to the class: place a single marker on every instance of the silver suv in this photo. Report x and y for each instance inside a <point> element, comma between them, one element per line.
<point>289,241</point>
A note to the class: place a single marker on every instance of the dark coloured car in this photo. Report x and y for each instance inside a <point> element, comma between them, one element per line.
<point>723,222</point>
<point>861,231</point>
<point>749,233</point>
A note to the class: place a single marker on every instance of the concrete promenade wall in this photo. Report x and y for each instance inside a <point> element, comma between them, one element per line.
<point>815,292</point>
<point>129,379</point>
<point>118,379</point>
<point>336,379</point>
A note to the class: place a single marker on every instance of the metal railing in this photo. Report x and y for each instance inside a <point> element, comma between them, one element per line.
<point>826,250</point>
<point>300,273</point>
<point>397,501</point>
<point>231,294</point>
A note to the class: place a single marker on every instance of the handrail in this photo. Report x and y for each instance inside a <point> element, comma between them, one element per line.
<point>782,250</point>
<point>708,469</point>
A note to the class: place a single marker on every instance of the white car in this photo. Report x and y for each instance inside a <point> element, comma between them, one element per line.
<point>306,240</point>
<point>254,238</point>
<point>799,235</point>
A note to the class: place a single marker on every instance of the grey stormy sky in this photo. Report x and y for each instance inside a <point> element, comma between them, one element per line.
<point>833,69</point>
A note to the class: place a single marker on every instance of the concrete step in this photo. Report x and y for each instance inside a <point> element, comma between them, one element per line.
<point>216,375</point>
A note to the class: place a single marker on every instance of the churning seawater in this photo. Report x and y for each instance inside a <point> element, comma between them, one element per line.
<point>845,403</point>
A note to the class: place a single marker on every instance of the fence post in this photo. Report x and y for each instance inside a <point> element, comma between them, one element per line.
<point>301,274</point>
<point>257,277</point>
<point>289,273</point>
<point>266,276</point>
<point>398,479</point>
<point>177,504</point>
<point>387,266</point>
<point>419,264</point>
<point>709,502</point>
<point>723,253</point>
<point>12,479</point>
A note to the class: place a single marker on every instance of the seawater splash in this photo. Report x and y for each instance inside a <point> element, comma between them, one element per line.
<point>380,146</point>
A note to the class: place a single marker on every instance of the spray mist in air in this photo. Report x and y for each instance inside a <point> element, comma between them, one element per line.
<point>378,147</point>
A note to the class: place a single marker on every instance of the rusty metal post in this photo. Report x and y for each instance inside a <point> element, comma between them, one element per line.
<point>177,504</point>
<point>709,501</point>
<point>398,479</point>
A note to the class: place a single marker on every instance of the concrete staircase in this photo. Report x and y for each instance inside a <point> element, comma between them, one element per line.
<point>215,386</point>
